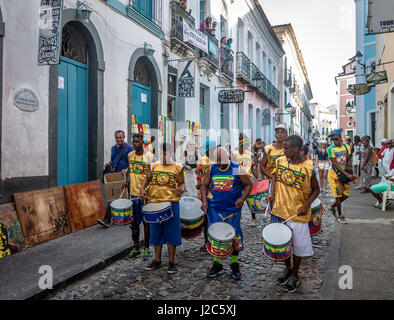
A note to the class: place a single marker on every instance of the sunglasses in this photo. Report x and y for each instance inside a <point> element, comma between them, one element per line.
<point>334,139</point>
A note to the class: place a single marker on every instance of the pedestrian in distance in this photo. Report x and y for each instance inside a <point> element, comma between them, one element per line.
<point>321,158</point>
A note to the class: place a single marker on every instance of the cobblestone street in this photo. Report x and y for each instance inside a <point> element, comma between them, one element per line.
<point>126,280</point>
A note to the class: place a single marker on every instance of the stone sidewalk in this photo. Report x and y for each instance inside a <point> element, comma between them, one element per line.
<point>366,244</point>
<point>128,280</point>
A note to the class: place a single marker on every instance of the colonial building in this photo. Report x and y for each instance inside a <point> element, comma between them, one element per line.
<point>328,120</point>
<point>347,108</point>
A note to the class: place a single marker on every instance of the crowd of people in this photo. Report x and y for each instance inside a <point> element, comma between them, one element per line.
<point>222,179</point>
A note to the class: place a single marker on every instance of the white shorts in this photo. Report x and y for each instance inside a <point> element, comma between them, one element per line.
<point>323,165</point>
<point>302,243</point>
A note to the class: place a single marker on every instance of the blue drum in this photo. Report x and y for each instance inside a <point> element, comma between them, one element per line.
<point>157,212</point>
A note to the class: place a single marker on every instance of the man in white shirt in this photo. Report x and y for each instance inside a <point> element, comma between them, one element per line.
<point>387,158</point>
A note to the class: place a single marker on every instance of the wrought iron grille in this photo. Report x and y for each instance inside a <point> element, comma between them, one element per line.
<point>74,45</point>
<point>150,9</point>
<point>227,62</point>
<point>243,65</point>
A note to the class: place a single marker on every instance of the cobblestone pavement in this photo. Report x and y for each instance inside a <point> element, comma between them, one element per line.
<point>128,280</point>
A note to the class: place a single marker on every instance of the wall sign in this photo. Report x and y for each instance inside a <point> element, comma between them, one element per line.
<point>231,96</point>
<point>381,16</point>
<point>377,78</point>
<point>186,79</point>
<point>26,100</point>
<point>50,32</point>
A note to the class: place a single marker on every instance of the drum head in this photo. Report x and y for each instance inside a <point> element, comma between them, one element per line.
<point>221,231</point>
<point>121,204</point>
<point>277,234</point>
<point>316,203</point>
<point>190,208</point>
<point>156,206</point>
<point>260,186</point>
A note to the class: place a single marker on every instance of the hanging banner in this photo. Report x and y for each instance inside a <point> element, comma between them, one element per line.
<point>186,75</point>
<point>380,16</point>
<point>50,32</point>
<point>195,37</point>
<point>377,78</point>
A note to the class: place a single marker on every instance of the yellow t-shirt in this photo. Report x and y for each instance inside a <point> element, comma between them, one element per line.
<point>244,160</point>
<point>164,182</point>
<point>292,189</point>
<point>341,153</point>
<point>272,154</point>
<point>205,164</point>
<point>138,168</point>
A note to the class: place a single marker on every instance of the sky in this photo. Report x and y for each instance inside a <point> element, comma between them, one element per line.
<point>325,32</point>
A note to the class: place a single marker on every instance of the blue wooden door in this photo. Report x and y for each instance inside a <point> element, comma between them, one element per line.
<point>73,123</point>
<point>141,107</point>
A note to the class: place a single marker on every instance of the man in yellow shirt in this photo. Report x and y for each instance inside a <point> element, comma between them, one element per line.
<point>243,157</point>
<point>166,183</point>
<point>294,188</point>
<point>139,164</point>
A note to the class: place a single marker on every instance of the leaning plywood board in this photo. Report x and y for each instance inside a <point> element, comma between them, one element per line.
<point>11,240</point>
<point>42,215</point>
<point>85,204</point>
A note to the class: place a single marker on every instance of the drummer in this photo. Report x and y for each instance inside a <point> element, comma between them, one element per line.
<point>203,165</point>
<point>139,162</point>
<point>229,185</point>
<point>293,190</point>
<point>244,158</point>
<point>166,184</point>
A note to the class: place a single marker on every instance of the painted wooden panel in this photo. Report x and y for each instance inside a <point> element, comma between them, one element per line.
<point>42,215</point>
<point>141,104</point>
<point>11,239</point>
<point>85,204</point>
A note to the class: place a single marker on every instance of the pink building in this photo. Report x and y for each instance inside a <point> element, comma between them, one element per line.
<point>347,115</point>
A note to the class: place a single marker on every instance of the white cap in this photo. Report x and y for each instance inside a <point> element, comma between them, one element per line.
<point>281,126</point>
<point>384,140</point>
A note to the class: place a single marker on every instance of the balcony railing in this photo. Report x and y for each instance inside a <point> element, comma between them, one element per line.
<point>227,63</point>
<point>254,73</point>
<point>243,66</point>
<point>179,12</point>
<point>288,78</point>
<point>213,51</point>
<point>179,17</point>
<point>150,10</point>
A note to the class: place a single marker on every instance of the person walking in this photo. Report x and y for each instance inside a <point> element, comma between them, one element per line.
<point>321,158</point>
<point>366,165</point>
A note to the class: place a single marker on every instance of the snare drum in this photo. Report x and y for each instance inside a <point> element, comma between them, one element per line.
<point>315,222</point>
<point>220,239</point>
<point>122,211</point>
<point>277,241</point>
<point>157,212</point>
<point>192,217</point>
<point>256,198</point>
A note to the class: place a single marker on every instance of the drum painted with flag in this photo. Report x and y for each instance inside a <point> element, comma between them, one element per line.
<point>122,212</point>
<point>315,223</point>
<point>192,217</point>
<point>256,198</point>
<point>157,212</point>
<point>277,241</point>
<point>220,239</point>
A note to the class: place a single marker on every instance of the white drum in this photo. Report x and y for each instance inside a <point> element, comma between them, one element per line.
<point>192,217</point>
<point>122,212</point>
<point>157,212</point>
<point>277,241</point>
<point>220,239</point>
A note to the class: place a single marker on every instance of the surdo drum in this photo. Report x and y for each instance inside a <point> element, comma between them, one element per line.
<point>315,222</point>
<point>277,241</point>
<point>192,217</point>
<point>157,212</point>
<point>122,212</point>
<point>220,239</point>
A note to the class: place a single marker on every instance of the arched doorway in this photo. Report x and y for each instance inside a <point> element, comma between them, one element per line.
<point>141,93</point>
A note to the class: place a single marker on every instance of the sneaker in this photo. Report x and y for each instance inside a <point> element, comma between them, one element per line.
<point>333,212</point>
<point>171,267</point>
<point>153,265</point>
<point>146,254</point>
<point>284,277</point>
<point>104,223</point>
<point>378,205</point>
<point>342,219</point>
<point>215,270</point>
<point>134,253</point>
<point>254,222</point>
<point>292,284</point>
<point>235,274</point>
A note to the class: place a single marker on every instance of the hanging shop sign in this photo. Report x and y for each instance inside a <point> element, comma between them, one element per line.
<point>26,100</point>
<point>195,37</point>
<point>231,96</point>
<point>359,89</point>
<point>380,16</point>
<point>377,78</point>
<point>186,78</point>
<point>50,32</point>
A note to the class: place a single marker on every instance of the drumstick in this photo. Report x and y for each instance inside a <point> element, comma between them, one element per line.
<point>289,218</point>
<point>266,209</point>
<point>122,193</point>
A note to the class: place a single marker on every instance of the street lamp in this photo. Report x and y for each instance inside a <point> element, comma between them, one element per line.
<point>359,58</point>
<point>148,50</point>
<point>349,107</point>
<point>84,11</point>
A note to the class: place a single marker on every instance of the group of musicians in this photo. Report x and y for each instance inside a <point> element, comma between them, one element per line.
<point>224,184</point>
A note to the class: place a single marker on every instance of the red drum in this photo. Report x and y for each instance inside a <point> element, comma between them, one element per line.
<point>256,198</point>
<point>316,217</point>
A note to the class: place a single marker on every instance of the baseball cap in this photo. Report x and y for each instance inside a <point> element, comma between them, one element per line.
<point>384,140</point>
<point>208,145</point>
<point>281,126</point>
<point>335,132</point>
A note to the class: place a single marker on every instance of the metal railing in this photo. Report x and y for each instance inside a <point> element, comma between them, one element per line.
<point>288,78</point>
<point>227,62</point>
<point>213,51</point>
<point>243,66</point>
<point>151,10</point>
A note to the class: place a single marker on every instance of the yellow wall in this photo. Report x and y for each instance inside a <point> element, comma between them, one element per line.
<point>385,53</point>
